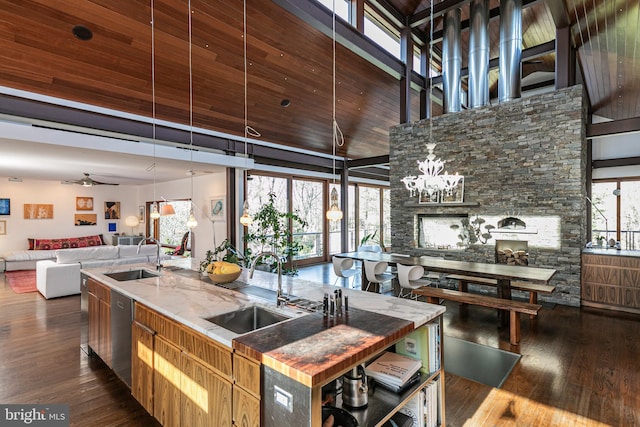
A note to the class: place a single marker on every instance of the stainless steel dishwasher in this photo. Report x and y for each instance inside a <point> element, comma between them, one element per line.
<point>121,320</point>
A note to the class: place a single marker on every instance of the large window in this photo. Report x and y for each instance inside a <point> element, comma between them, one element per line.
<point>170,230</point>
<point>615,214</point>
<point>308,203</point>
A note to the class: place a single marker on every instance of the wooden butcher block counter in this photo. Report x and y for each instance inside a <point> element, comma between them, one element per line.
<point>314,348</point>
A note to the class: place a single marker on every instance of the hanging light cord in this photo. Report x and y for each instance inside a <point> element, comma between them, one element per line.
<point>336,133</point>
<point>190,103</point>
<point>153,94</point>
<point>430,80</point>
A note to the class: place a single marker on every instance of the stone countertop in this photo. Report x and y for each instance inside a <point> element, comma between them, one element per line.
<point>611,252</point>
<point>189,300</point>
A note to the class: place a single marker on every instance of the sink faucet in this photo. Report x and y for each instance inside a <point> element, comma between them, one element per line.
<point>159,246</point>
<point>280,299</point>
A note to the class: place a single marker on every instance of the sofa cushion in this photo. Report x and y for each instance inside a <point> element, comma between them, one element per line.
<point>71,242</point>
<point>66,256</point>
<point>30,255</point>
<point>131,251</point>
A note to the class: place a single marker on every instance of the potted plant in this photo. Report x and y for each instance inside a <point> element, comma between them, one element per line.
<point>225,251</point>
<point>270,231</point>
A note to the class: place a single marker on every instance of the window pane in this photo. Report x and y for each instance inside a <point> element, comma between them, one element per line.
<point>258,190</point>
<point>334,226</point>
<point>603,212</point>
<point>351,220</point>
<point>370,213</point>
<point>308,203</point>
<point>173,227</point>
<point>342,7</point>
<point>386,205</point>
<point>375,32</point>
<point>630,215</point>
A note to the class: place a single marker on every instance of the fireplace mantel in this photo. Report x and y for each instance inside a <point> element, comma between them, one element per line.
<point>439,205</point>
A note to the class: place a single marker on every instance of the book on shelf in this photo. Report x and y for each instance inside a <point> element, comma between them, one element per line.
<point>415,379</point>
<point>424,344</point>
<point>393,368</point>
<point>424,408</point>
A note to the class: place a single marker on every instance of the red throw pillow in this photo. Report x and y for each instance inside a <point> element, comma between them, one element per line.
<point>71,242</point>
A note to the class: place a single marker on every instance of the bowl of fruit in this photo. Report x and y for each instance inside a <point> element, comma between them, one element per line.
<point>223,272</point>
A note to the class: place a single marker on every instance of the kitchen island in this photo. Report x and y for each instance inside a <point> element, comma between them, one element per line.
<point>184,368</point>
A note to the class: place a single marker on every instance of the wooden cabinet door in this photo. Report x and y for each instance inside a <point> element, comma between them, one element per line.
<point>105,332</point>
<point>166,383</point>
<point>246,409</point>
<point>206,397</point>
<point>94,324</point>
<point>142,365</point>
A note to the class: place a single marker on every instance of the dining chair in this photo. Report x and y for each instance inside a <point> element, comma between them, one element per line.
<point>410,278</point>
<point>342,269</point>
<point>431,275</point>
<point>375,273</point>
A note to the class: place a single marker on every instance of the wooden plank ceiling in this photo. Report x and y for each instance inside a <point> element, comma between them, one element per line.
<point>287,59</point>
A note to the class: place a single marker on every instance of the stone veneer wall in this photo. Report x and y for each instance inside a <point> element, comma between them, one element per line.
<point>526,156</point>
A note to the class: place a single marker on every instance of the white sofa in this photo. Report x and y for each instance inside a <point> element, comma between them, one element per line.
<point>62,277</point>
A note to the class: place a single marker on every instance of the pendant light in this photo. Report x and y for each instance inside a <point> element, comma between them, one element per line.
<point>191,222</point>
<point>334,213</point>
<point>246,219</point>
<point>154,214</point>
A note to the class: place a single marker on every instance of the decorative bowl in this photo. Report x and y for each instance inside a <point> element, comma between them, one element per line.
<point>224,278</point>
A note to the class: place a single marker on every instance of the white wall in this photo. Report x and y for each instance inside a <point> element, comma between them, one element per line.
<point>205,188</point>
<point>63,199</point>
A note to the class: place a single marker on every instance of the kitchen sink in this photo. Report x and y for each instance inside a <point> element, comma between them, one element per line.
<point>247,319</point>
<point>123,276</point>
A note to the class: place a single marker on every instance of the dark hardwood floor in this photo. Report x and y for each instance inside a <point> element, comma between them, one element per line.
<point>578,367</point>
<point>41,362</point>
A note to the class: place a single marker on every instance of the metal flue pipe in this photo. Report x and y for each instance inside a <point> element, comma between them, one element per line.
<point>451,61</point>
<point>479,53</point>
<point>509,82</point>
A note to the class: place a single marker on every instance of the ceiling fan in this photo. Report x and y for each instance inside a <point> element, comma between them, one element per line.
<point>87,181</point>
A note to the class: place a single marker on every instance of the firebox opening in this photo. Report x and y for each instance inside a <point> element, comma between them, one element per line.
<point>512,252</point>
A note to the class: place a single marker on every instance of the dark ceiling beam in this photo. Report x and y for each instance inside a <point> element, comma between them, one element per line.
<point>371,173</point>
<point>595,130</point>
<point>50,115</point>
<point>558,12</point>
<point>391,13</point>
<point>369,161</point>
<point>320,18</point>
<point>625,161</point>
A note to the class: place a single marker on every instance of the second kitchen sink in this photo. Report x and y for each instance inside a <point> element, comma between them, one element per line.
<point>247,319</point>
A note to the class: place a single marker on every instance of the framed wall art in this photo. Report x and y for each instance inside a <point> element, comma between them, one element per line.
<point>84,203</point>
<point>426,198</point>
<point>111,210</point>
<point>38,211</point>
<point>86,219</point>
<point>456,195</point>
<point>3,227</point>
<point>218,210</point>
<point>5,206</point>
<point>141,214</point>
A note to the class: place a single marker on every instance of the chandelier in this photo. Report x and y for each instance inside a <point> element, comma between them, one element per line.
<point>432,183</point>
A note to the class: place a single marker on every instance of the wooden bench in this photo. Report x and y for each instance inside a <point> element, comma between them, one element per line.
<point>533,288</point>
<point>514,307</point>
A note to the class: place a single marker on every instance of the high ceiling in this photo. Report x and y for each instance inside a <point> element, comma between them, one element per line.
<point>288,57</point>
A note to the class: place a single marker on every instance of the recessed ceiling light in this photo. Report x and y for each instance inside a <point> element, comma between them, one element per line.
<point>285,103</point>
<point>81,32</point>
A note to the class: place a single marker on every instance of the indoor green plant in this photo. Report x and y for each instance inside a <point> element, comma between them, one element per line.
<point>271,231</point>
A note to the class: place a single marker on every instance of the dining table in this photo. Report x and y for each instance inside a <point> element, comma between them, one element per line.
<point>502,273</point>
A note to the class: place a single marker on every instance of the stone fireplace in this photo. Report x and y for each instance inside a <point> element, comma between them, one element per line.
<point>524,158</point>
